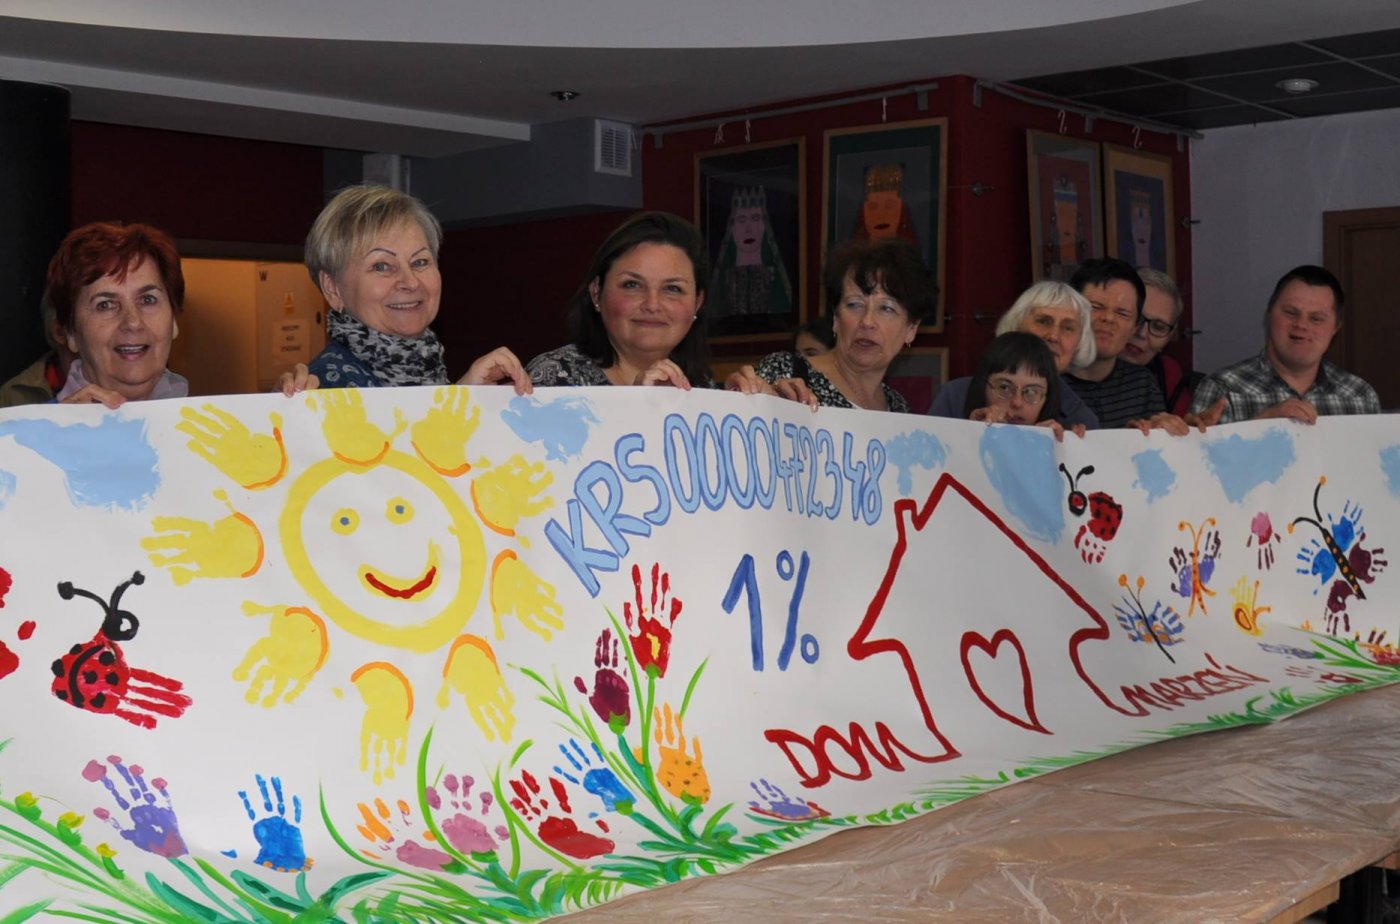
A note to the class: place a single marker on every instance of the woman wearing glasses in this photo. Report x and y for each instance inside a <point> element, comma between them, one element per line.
<point>1159,326</point>
<point>1059,316</point>
<point>1017,383</point>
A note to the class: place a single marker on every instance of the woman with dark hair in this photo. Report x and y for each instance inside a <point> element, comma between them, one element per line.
<point>1058,315</point>
<point>877,294</point>
<point>815,337</point>
<point>116,290</point>
<point>1017,382</point>
<point>636,319</point>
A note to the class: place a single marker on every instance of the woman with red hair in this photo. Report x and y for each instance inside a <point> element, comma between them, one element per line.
<point>116,290</point>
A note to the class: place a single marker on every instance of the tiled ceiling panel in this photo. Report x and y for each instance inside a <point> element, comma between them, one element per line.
<point>1353,73</point>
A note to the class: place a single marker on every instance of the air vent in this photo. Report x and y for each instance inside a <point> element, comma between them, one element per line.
<point>612,148</point>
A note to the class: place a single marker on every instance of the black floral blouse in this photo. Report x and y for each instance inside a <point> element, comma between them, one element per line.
<point>789,365</point>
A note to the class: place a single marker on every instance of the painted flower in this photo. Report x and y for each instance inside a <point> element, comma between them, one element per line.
<point>651,621</point>
<point>681,774</point>
<point>1386,655</point>
<point>611,697</point>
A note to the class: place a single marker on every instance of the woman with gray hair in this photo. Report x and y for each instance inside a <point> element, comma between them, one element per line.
<point>373,251</point>
<point>1059,315</point>
<point>1159,326</point>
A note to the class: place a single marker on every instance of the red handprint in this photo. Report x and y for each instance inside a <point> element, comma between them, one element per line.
<point>651,633</point>
<point>558,831</point>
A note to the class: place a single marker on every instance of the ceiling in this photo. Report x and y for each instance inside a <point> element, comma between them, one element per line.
<point>1350,73</point>
<point>434,77</point>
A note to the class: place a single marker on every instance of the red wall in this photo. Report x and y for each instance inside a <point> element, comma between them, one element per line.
<point>510,284</point>
<point>200,187</point>
<point>987,260</point>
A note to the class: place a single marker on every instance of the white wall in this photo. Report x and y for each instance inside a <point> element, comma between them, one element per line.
<point>1259,193</point>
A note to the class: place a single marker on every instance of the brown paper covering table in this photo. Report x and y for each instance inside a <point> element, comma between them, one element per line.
<point>1250,824</point>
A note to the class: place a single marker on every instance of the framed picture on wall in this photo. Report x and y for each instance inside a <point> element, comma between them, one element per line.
<point>1138,194</point>
<point>917,374</point>
<point>1066,204</point>
<point>750,207</point>
<point>884,181</point>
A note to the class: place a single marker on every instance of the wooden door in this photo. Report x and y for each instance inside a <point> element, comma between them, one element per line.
<point>1362,247</point>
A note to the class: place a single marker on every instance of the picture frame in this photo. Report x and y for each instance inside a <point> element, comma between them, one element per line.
<point>917,373</point>
<point>758,276</point>
<point>1065,191</point>
<point>1138,196</point>
<point>894,178</point>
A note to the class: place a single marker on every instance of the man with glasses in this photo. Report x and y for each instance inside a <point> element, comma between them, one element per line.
<point>1158,327</point>
<point>1289,378</point>
<point>1119,393</point>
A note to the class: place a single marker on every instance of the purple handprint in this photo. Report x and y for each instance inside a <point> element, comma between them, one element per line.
<point>610,696</point>
<point>154,828</point>
<point>775,803</point>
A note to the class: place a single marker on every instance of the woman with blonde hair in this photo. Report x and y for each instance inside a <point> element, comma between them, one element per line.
<point>373,251</point>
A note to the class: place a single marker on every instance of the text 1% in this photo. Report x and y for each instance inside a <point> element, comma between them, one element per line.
<point>745,582</point>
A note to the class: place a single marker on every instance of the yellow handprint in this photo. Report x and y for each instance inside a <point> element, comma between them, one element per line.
<point>253,460</point>
<point>440,438</point>
<point>349,433</point>
<point>679,774</point>
<point>231,547</point>
<point>472,671</point>
<point>1247,612</point>
<point>508,493</point>
<point>517,591</point>
<point>292,652</point>
<point>388,700</point>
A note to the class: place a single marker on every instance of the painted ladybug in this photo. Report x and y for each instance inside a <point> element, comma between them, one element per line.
<point>1105,517</point>
<point>94,675</point>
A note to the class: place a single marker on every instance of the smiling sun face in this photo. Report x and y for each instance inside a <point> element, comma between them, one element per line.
<point>391,553</point>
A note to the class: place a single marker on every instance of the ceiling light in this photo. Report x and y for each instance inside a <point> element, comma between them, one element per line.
<point>564,95</point>
<point>1296,85</point>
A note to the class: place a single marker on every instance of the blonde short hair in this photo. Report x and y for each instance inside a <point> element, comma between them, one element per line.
<point>357,215</point>
<point>1048,294</point>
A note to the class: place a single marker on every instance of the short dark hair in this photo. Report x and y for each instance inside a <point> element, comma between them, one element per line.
<point>893,264</point>
<point>106,248</point>
<point>692,354</point>
<point>819,329</point>
<point>1012,352</point>
<point>1310,275</point>
<point>1102,271</point>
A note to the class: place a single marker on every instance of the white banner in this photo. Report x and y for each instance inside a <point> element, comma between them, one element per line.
<point>435,655</point>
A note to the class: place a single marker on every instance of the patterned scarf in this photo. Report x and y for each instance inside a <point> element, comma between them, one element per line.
<point>394,360</point>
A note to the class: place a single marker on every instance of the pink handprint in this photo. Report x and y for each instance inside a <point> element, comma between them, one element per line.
<point>465,832</point>
<point>1263,538</point>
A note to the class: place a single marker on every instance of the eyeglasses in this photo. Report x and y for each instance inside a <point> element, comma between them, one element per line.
<point>1006,390</point>
<point>1155,327</point>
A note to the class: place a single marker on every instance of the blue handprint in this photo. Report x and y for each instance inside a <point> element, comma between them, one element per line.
<point>775,803</point>
<point>600,780</point>
<point>279,840</point>
<point>154,828</point>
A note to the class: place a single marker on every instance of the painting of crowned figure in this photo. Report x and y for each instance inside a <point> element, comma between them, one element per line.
<point>749,275</point>
<point>750,207</point>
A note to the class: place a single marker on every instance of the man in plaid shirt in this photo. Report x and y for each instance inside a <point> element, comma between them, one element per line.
<point>1289,378</point>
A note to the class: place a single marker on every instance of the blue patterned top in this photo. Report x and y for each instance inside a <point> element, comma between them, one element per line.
<point>337,367</point>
